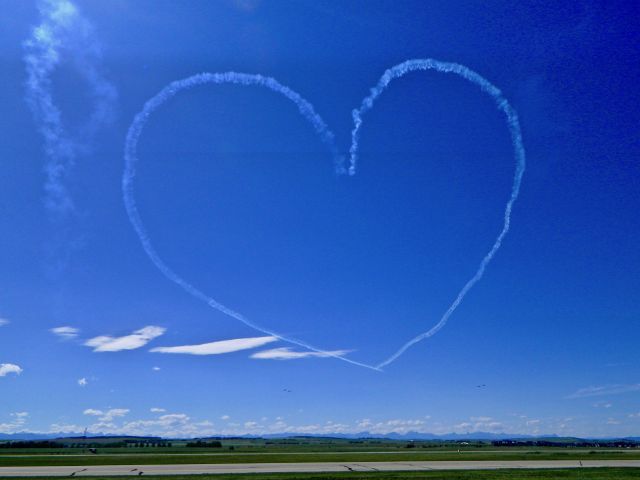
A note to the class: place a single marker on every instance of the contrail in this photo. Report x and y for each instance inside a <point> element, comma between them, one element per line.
<point>130,155</point>
<point>307,110</point>
<point>516,139</point>
<point>63,35</point>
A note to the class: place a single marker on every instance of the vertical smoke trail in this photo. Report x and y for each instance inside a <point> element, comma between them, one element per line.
<point>516,139</point>
<point>62,33</point>
<point>130,155</point>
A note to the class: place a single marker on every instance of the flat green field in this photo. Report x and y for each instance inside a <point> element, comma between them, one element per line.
<point>128,458</point>
<point>566,474</point>
<point>72,452</point>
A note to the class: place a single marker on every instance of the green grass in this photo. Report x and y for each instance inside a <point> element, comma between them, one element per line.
<point>298,445</point>
<point>134,458</point>
<point>559,474</point>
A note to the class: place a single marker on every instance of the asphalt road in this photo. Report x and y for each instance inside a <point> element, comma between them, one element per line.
<point>303,467</point>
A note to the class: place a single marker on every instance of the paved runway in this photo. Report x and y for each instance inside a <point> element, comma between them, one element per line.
<point>303,467</point>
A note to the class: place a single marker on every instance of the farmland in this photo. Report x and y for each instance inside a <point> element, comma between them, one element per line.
<point>134,451</point>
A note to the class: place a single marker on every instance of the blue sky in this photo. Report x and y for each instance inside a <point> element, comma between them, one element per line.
<point>241,199</point>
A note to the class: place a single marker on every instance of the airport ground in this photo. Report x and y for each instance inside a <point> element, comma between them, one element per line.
<point>519,474</point>
<point>160,458</point>
<point>324,459</point>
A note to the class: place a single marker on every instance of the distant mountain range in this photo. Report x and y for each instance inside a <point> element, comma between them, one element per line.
<point>60,435</point>
<point>360,435</point>
<point>29,436</point>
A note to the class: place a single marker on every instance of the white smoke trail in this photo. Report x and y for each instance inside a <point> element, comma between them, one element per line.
<point>130,155</point>
<point>516,139</point>
<point>63,35</point>
<point>306,109</point>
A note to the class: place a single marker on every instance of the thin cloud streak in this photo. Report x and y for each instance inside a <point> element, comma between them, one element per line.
<point>286,353</point>
<point>65,332</point>
<point>217,348</point>
<point>616,389</point>
<point>137,339</point>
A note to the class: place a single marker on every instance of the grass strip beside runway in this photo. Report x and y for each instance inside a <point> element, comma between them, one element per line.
<point>551,474</point>
<point>169,459</point>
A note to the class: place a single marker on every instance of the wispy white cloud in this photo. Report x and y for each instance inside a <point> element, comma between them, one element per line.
<point>399,425</point>
<point>115,412</point>
<point>17,423</point>
<point>155,369</point>
<point>286,353</point>
<point>479,424</point>
<point>225,417</point>
<point>137,339</point>
<point>217,348</point>
<point>157,410</point>
<point>65,428</point>
<point>169,425</point>
<point>605,390</point>
<point>83,382</point>
<point>64,36</point>
<point>65,332</point>
<point>7,368</point>
<point>107,415</point>
<point>481,419</point>
<point>3,321</point>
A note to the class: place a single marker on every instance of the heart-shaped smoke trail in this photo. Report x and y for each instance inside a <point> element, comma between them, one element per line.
<point>307,110</point>
<point>130,155</point>
<point>516,139</point>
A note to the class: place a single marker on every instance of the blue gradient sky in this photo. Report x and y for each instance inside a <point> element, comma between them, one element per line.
<point>241,199</point>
